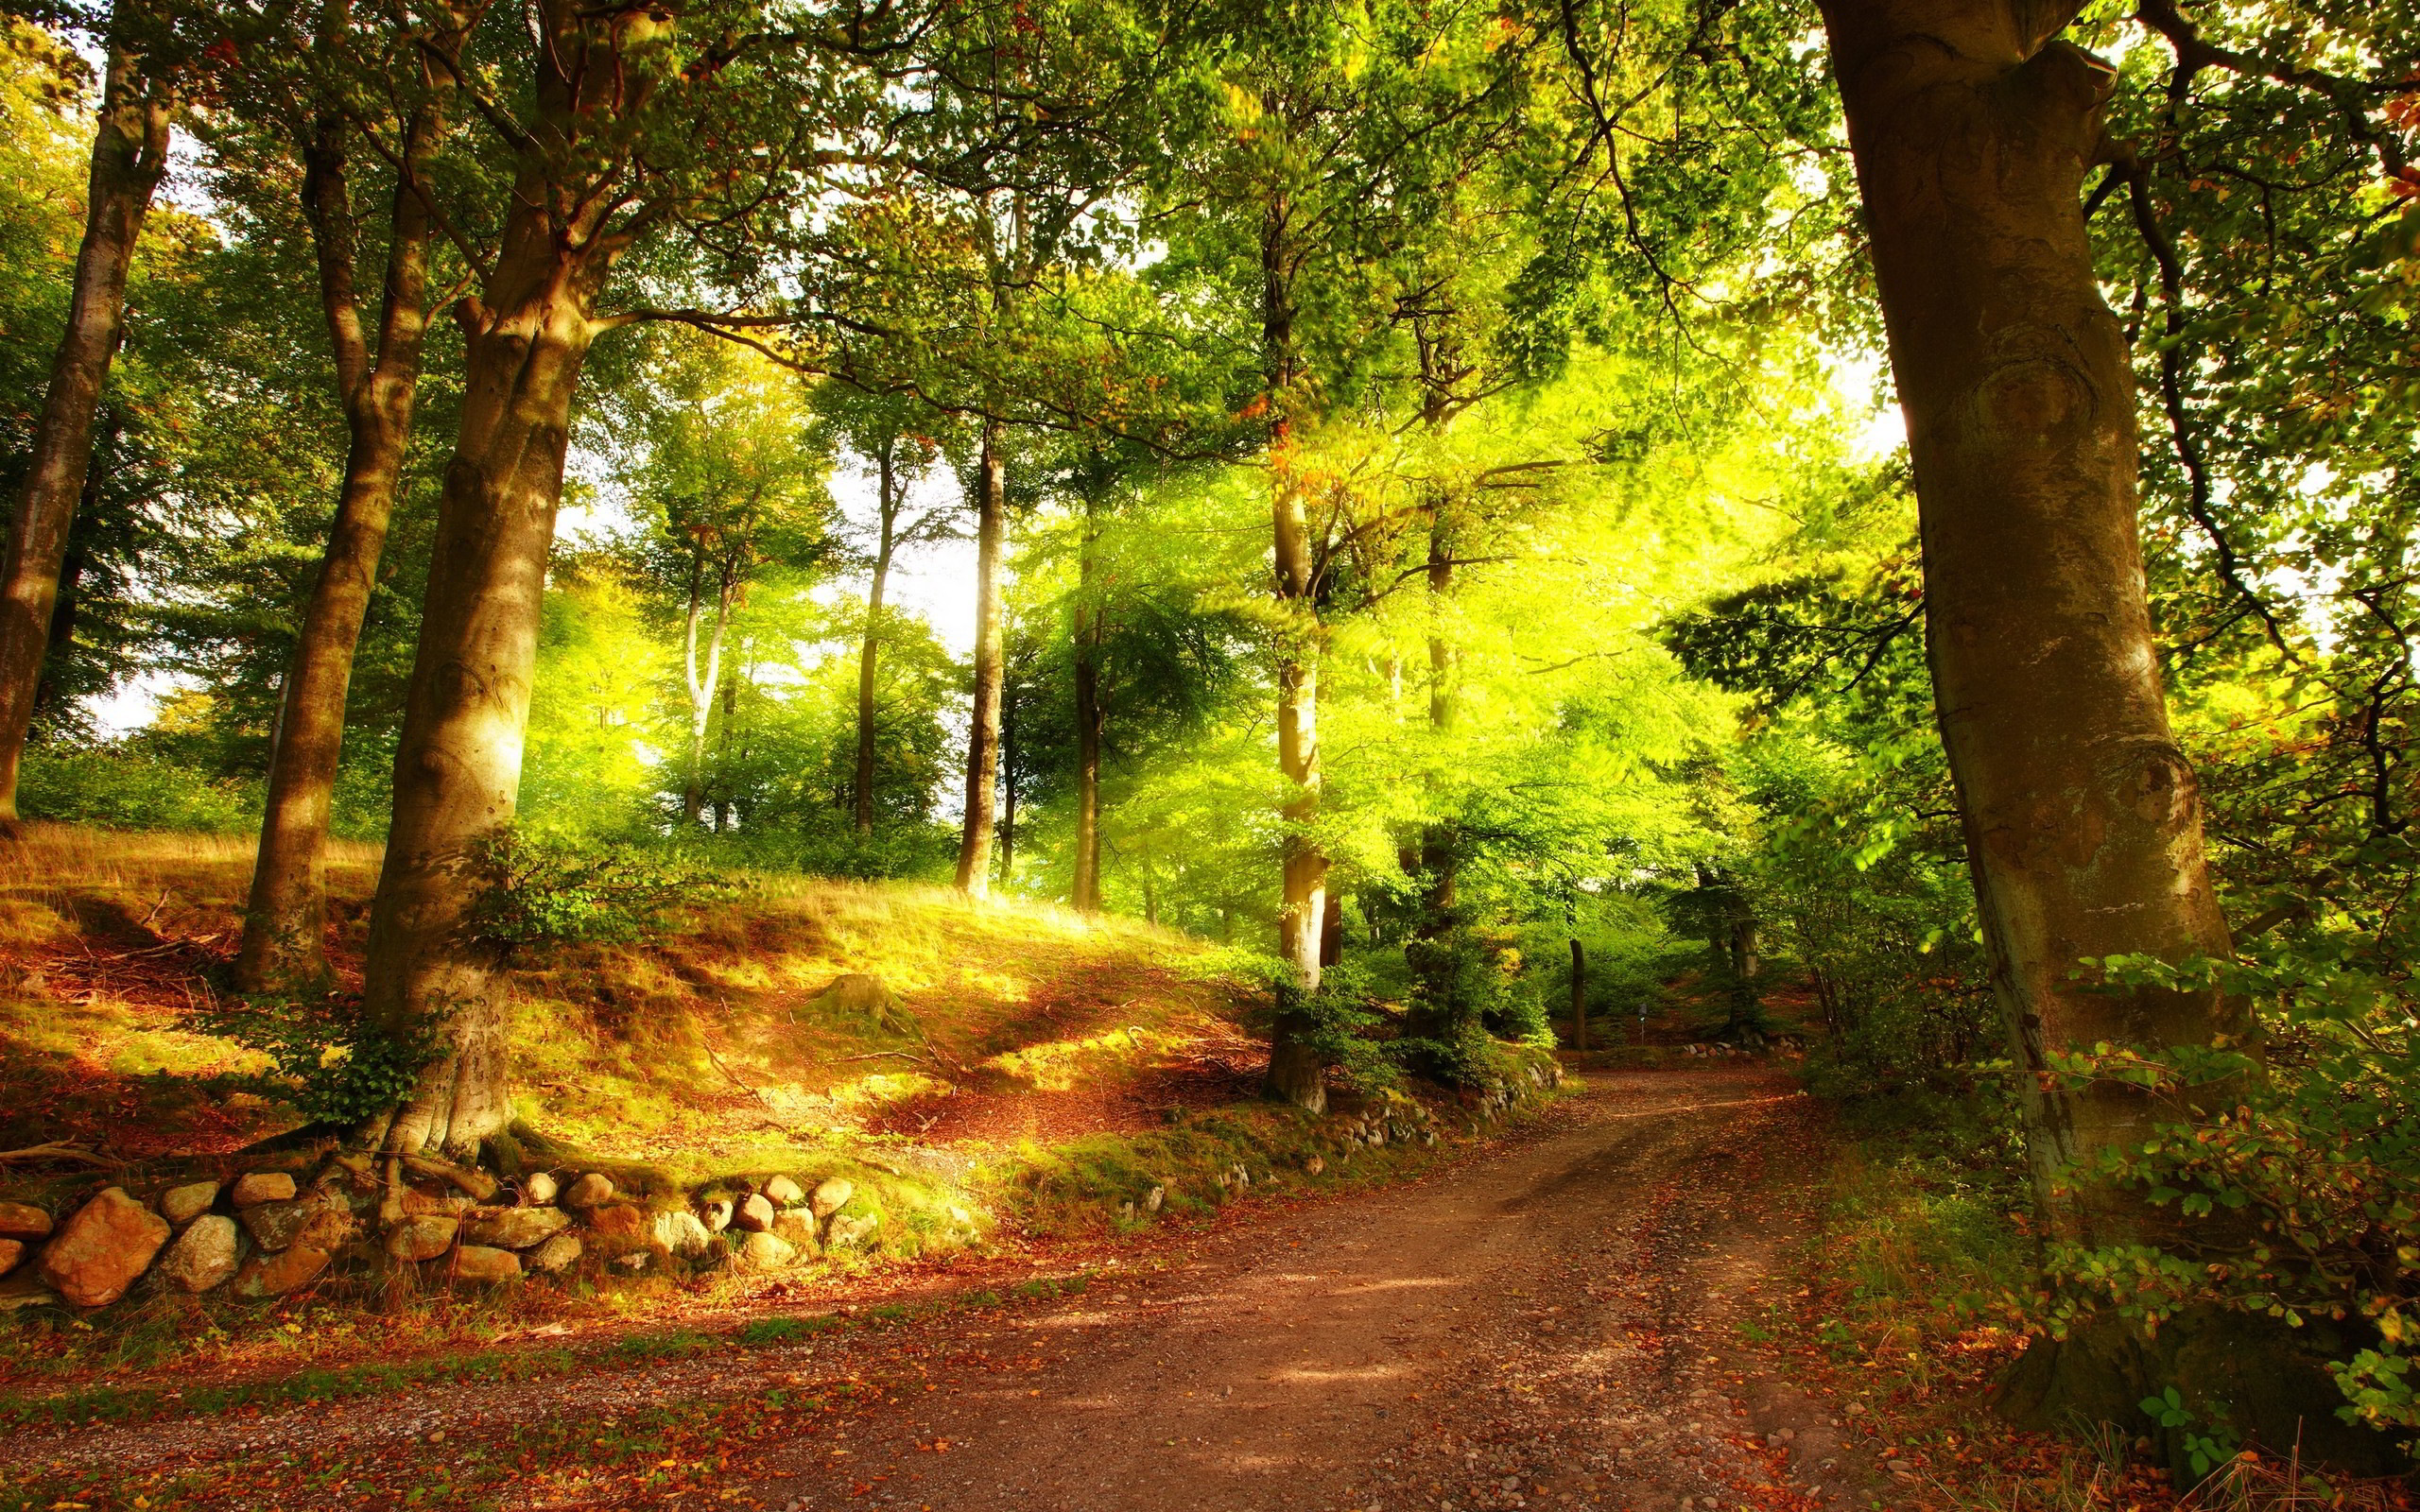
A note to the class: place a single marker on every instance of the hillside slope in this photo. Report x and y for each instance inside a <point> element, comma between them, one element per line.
<point>721,1040</point>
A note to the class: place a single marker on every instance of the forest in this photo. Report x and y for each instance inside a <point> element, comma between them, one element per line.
<point>704,656</point>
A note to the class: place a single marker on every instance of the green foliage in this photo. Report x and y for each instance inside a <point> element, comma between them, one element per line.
<point>119,789</point>
<point>539,890</point>
<point>326,1059</point>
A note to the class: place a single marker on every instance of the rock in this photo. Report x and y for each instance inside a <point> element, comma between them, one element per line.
<point>716,1213</point>
<point>594,1189</point>
<point>679,1232</point>
<point>794,1229</point>
<point>276,1274</point>
<point>832,1194</point>
<point>24,1290</point>
<point>1152,1198</point>
<point>21,1220</point>
<point>182,1205</point>
<point>783,1192</point>
<point>864,998</point>
<point>620,1221</point>
<point>1314,1166</point>
<point>849,1229</point>
<point>99,1251</point>
<point>423,1238</point>
<point>635,1260</point>
<point>419,1204</point>
<point>765,1252</point>
<point>321,1222</point>
<point>755,1214</point>
<point>479,1266</point>
<point>516,1228</point>
<point>539,1190</point>
<point>256,1187</point>
<point>477,1184</point>
<point>11,1251</point>
<point>555,1254</point>
<point>203,1256</point>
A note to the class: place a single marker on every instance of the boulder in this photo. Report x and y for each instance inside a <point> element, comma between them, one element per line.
<point>850,1229</point>
<point>594,1189</point>
<point>25,1289</point>
<point>256,1187</point>
<point>182,1205</point>
<point>539,1190</point>
<point>679,1232</point>
<point>765,1252</point>
<point>620,1221</point>
<point>203,1256</point>
<point>97,1253</point>
<point>516,1228</point>
<point>320,1222</point>
<point>716,1213</point>
<point>555,1254</point>
<point>783,1192</point>
<point>755,1214</point>
<point>276,1272</point>
<point>794,1229</point>
<point>832,1194</point>
<point>864,999</point>
<point>11,1251</point>
<point>1152,1198</point>
<point>423,1238</point>
<point>417,1203</point>
<point>480,1265</point>
<point>21,1220</point>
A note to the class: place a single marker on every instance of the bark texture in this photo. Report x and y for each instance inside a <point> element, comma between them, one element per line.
<point>285,920</point>
<point>983,724</point>
<point>1092,723</point>
<point>457,768</point>
<point>886,501</point>
<point>129,155</point>
<point>1973,131</point>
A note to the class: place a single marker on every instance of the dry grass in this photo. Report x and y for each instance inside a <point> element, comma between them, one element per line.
<point>705,1047</point>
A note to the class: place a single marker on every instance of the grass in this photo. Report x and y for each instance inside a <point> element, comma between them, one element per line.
<point>1049,1073</point>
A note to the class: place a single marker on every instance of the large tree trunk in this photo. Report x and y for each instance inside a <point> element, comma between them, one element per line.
<point>888,507</point>
<point>1973,131</point>
<point>457,768</point>
<point>285,920</point>
<point>1434,1013</point>
<point>983,724</point>
<point>702,682</point>
<point>129,154</point>
<point>1092,718</point>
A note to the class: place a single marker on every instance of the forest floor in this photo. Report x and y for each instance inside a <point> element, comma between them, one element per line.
<point>1577,1313</point>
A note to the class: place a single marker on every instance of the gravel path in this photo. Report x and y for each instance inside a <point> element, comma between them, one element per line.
<point>1554,1323</point>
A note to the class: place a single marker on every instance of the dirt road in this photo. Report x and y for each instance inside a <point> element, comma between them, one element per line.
<point>1553,1323</point>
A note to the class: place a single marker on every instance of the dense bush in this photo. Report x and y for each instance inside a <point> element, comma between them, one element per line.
<point>113,789</point>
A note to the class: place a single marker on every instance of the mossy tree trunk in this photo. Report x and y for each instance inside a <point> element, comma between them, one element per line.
<point>284,919</point>
<point>983,723</point>
<point>1973,130</point>
<point>129,155</point>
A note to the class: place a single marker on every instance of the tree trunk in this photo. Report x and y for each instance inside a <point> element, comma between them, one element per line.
<point>1579,997</point>
<point>1092,718</point>
<point>1297,1071</point>
<point>129,154</point>
<point>1434,1014</point>
<point>888,503</point>
<point>457,768</point>
<point>1332,930</point>
<point>983,724</point>
<point>1972,132</point>
<point>1008,787</point>
<point>284,919</point>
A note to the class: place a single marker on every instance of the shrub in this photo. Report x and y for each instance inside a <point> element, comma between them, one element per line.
<point>541,891</point>
<point>113,789</point>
